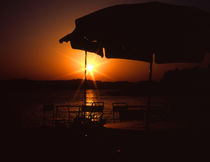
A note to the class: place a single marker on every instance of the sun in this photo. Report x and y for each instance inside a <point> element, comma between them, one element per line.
<point>77,64</point>
<point>90,68</point>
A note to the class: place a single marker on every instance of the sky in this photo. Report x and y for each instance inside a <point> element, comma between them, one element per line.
<point>29,44</point>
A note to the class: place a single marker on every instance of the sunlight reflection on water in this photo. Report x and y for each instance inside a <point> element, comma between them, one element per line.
<point>34,106</point>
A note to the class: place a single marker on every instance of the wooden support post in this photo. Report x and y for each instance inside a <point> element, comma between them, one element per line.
<point>148,111</point>
<point>85,82</point>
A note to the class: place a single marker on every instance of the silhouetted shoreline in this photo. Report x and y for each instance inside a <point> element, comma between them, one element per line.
<point>185,93</point>
<point>195,81</point>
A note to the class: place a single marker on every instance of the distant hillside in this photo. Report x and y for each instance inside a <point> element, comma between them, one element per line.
<point>195,79</point>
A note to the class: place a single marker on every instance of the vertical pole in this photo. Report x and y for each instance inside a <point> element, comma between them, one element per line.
<point>148,111</point>
<point>85,81</point>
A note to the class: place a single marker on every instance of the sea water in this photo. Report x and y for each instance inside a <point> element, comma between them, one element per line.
<point>32,104</point>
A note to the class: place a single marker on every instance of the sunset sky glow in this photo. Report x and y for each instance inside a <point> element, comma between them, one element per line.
<point>30,48</point>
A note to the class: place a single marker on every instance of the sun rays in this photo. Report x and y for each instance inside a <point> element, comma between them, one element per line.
<point>76,63</point>
<point>93,67</point>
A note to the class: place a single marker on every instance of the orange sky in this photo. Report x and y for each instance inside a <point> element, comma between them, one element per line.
<point>30,48</point>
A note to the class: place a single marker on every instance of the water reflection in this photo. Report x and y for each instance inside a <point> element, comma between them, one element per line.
<point>67,97</point>
<point>91,96</point>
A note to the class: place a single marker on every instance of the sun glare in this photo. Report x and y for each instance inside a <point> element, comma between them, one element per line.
<point>77,65</point>
<point>90,67</point>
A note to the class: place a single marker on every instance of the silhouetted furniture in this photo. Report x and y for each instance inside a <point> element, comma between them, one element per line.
<point>90,116</point>
<point>64,115</point>
<point>126,112</point>
<point>48,115</point>
<point>129,115</point>
<point>93,110</point>
<point>93,106</point>
<point>117,107</point>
